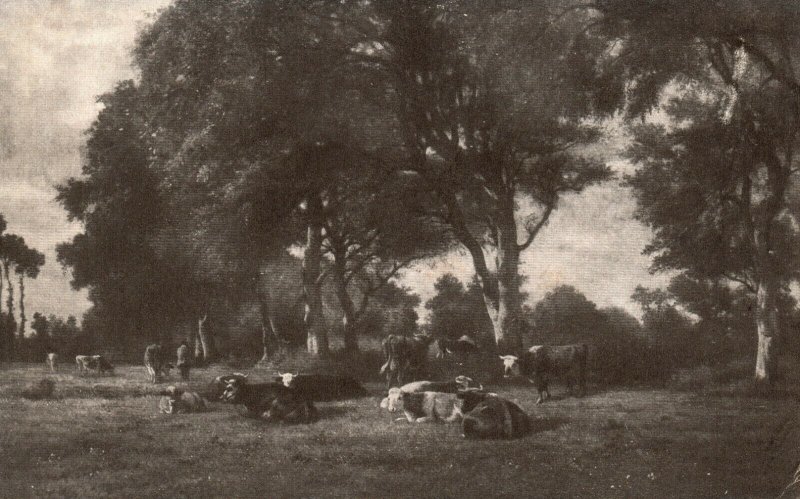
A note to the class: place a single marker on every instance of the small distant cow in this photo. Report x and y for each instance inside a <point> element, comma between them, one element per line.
<point>271,401</point>
<point>156,363</point>
<point>422,407</point>
<point>403,355</point>
<point>488,416</point>
<point>541,362</point>
<point>86,363</point>
<point>175,401</point>
<point>462,346</point>
<point>52,361</point>
<point>322,387</point>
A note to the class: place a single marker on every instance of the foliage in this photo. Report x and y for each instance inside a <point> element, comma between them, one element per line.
<point>456,310</point>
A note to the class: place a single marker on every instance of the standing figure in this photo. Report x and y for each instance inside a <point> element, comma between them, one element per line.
<point>183,363</point>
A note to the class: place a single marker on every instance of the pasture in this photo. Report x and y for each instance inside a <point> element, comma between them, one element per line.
<point>102,436</point>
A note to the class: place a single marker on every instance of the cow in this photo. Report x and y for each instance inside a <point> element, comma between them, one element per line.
<point>156,363</point>
<point>52,361</point>
<point>85,363</point>
<point>461,383</point>
<point>322,387</point>
<point>541,362</point>
<point>217,386</point>
<point>462,346</point>
<point>403,355</point>
<point>488,416</point>
<point>422,407</point>
<point>184,362</point>
<point>175,400</point>
<point>271,401</point>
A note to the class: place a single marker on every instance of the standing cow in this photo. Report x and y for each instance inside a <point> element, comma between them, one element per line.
<point>462,346</point>
<point>52,361</point>
<point>183,363</point>
<point>156,363</point>
<point>541,362</point>
<point>403,355</point>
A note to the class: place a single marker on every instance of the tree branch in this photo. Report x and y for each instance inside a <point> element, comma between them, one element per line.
<point>533,231</point>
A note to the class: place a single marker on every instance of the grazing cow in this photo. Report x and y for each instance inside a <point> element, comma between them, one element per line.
<point>175,400</point>
<point>461,383</point>
<point>322,387</point>
<point>272,401</point>
<point>488,416</point>
<point>85,363</point>
<point>403,355</point>
<point>156,363</point>
<point>422,407</point>
<point>541,362</point>
<point>184,361</point>
<point>462,346</point>
<point>52,361</point>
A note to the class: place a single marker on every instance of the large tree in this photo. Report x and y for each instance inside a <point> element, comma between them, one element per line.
<point>491,101</point>
<point>739,148</point>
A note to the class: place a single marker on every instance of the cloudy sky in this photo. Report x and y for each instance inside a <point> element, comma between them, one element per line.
<point>56,56</point>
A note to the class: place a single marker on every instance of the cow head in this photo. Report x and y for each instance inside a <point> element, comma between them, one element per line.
<point>466,383</point>
<point>510,365</point>
<point>394,400</point>
<point>286,379</point>
<point>233,390</point>
<point>219,383</point>
<point>471,398</point>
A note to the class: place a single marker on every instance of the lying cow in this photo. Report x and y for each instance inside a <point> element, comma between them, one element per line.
<point>52,361</point>
<point>462,346</point>
<point>403,355</point>
<point>541,362</point>
<point>488,416</point>
<point>322,387</point>
<point>175,401</point>
<point>461,383</point>
<point>422,407</point>
<point>272,401</point>
<point>86,363</point>
<point>217,386</point>
<point>156,363</point>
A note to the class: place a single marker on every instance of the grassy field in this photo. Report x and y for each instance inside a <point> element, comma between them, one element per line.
<point>102,436</point>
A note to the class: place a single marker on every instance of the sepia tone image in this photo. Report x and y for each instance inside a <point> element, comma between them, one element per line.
<point>399,248</point>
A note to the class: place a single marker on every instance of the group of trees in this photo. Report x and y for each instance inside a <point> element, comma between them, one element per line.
<point>370,134</point>
<point>18,261</point>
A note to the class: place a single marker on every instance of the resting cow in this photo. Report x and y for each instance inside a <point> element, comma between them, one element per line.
<point>542,362</point>
<point>175,400</point>
<point>462,346</point>
<point>98,363</point>
<point>488,416</point>
<point>217,386</point>
<point>403,355</point>
<point>156,363</point>
<point>460,383</point>
<point>422,407</point>
<point>52,361</point>
<point>272,401</point>
<point>322,387</point>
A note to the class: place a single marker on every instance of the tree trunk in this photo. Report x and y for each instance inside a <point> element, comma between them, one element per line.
<point>10,305</point>
<point>204,339</point>
<point>507,316</point>
<point>198,347</point>
<point>767,324</point>
<point>348,308</point>
<point>313,320</point>
<point>22,318</point>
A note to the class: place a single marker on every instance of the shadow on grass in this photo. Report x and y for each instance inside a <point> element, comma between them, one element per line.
<point>549,424</point>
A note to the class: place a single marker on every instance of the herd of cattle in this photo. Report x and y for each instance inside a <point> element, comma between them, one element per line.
<point>290,398</point>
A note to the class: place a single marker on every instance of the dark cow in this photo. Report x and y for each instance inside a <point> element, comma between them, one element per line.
<point>322,387</point>
<point>217,386</point>
<point>271,401</point>
<point>462,346</point>
<point>98,363</point>
<point>156,363</point>
<point>541,362</point>
<point>403,355</point>
<point>488,416</point>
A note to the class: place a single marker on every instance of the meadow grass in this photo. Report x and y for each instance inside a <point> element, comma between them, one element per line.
<point>102,436</point>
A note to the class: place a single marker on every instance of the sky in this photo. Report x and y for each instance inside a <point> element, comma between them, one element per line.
<point>57,56</point>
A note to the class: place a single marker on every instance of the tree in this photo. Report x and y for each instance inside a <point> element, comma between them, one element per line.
<point>492,128</point>
<point>12,251</point>
<point>738,55</point>
<point>28,264</point>
<point>40,325</point>
<point>456,310</point>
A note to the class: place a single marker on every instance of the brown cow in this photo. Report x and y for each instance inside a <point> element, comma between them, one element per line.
<point>404,355</point>
<point>541,362</point>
